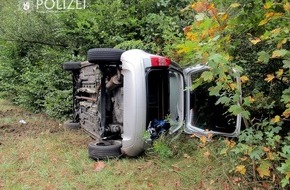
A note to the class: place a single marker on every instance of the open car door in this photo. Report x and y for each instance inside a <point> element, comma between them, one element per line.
<point>203,117</point>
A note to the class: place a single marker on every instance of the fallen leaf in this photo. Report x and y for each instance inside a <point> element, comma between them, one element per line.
<point>255,40</point>
<point>175,167</point>
<point>99,166</point>
<point>206,154</point>
<point>203,139</point>
<point>241,169</point>
<point>209,136</point>
<point>244,158</point>
<point>150,185</point>
<point>264,169</point>
<point>177,183</point>
<point>193,135</point>
<point>266,149</point>
<point>230,143</point>
<point>270,156</point>
<point>266,185</point>
<point>237,180</point>
<point>199,6</point>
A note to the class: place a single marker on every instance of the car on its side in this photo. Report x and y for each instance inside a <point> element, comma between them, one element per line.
<point>119,95</point>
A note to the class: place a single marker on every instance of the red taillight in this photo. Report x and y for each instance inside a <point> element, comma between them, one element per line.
<point>158,61</point>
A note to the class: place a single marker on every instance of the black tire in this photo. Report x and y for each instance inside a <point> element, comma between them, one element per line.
<point>104,149</point>
<point>70,66</point>
<point>107,56</point>
<point>70,125</point>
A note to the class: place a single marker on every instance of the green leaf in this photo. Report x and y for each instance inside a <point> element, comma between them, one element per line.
<point>284,182</point>
<point>245,114</point>
<point>285,151</point>
<point>207,76</point>
<point>196,84</point>
<point>214,90</point>
<point>257,154</point>
<point>247,101</point>
<point>217,58</point>
<point>235,109</point>
<point>263,57</point>
<point>286,96</point>
<point>279,53</point>
<point>286,64</point>
<point>223,100</point>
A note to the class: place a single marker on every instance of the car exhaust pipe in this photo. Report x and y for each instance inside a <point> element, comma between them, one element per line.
<point>115,81</point>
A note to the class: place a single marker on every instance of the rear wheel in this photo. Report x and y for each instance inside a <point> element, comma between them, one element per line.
<point>107,56</point>
<point>105,149</point>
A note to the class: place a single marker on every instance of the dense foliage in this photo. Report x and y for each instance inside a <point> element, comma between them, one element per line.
<point>253,38</point>
<point>34,43</point>
<point>248,36</point>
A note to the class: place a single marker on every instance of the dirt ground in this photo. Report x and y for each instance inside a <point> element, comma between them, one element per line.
<point>34,124</point>
<point>17,123</point>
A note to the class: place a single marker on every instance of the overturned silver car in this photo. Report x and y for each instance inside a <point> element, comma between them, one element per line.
<point>119,95</point>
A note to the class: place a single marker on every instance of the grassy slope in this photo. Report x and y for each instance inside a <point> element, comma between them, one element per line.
<point>41,155</point>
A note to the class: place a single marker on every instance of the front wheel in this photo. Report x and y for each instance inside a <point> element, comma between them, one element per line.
<point>104,149</point>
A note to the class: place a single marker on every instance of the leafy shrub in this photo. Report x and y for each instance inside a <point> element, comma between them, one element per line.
<point>58,104</point>
<point>131,44</point>
<point>253,38</point>
<point>34,45</point>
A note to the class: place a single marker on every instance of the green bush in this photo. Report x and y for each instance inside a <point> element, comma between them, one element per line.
<point>251,37</point>
<point>58,104</point>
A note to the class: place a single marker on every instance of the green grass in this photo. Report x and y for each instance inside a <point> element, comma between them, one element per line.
<point>44,156</point>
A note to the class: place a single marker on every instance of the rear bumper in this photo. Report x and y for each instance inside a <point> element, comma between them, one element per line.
<point>134,103</point>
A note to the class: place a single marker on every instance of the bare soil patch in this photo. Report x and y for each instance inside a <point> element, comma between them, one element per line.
<point>18,122</point>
